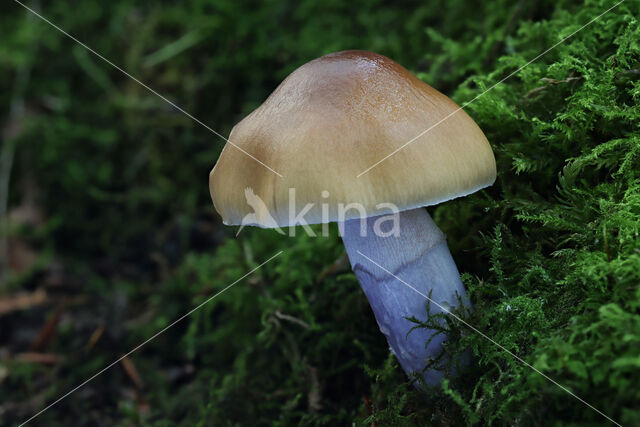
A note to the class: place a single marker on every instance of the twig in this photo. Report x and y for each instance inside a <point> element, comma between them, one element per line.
<point>314,397</point>
<point>291,319</point>
<point>339,265</point>
<point>632,72</point>
<point>549,82</point>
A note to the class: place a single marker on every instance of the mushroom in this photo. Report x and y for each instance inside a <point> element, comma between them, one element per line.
<point>328,122</point>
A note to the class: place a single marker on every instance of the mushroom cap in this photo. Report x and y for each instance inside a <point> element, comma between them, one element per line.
<point>330,120</point>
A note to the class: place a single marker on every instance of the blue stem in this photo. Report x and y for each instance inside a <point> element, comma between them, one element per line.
<point>417,254</point>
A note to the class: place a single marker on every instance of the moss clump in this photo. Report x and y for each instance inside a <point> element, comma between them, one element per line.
<point>550,254</point>
<point>553,262</point>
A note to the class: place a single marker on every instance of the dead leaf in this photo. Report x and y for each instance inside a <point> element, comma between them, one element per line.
<point>35,357</point>
<point>48,330</point>
<point>95,336</point>
<point>132,372</point>
<point>22,301</point>
<point>143,404</point>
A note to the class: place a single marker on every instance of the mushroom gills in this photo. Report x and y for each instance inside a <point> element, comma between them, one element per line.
<point>418,255</point>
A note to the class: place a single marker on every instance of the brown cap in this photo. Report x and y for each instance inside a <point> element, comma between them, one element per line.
<point>332,119</point>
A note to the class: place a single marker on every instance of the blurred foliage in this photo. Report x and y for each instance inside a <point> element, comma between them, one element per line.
<point>126,240</point>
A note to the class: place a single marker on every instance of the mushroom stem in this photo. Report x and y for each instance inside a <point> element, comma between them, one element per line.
<point>417,254</point>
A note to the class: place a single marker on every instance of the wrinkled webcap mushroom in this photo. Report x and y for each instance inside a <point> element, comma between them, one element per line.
<point>326,123</point>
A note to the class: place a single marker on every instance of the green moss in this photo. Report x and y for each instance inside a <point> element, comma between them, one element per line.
<point>561,285</point>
